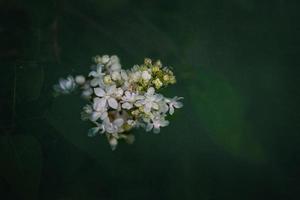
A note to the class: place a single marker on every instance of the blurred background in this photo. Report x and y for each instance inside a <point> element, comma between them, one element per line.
<point>237,136</point>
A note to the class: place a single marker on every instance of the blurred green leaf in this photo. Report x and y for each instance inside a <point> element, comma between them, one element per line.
<point>21,163</point>
<point>220,108</point>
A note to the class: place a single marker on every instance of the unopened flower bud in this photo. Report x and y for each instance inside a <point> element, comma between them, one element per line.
<point>166,77</point>
<point>113,143</point>
<point>107,79</point>
<point>172,79</point>
<point>157,83</point>
<point>146,75</point>
<point>158,64</point>
<point>80,80</point>
<point>148,61</point>
<point>155,69</point>
<point>105,59</point>
<point>97,59</point>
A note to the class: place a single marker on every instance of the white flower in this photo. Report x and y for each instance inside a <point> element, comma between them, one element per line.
<point>107,96</point>
<point>128,100</point>
<point>99,110</point>
<point>149,100</point>
<point>65,86</point>
<point>113,127</point>
<point>146,75</point>
<point>155,123</point>
<point>174,103</point>
<point>98,76</point>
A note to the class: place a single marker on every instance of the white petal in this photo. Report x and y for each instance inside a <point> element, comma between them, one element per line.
<point>111,89</point>
<point>155,106</point>
<point>95,116</point>
<point>99,103</point>
<point>93,131</point>
<point>127,105</point>
<point>113,103</point>
<point>139,103</point>
<point>178,104</point>
<point>124,75</point>
<point>94,82</point>
<point>99,92</point>
<point>149,127</point>
<point>156,130</point>
<point>147,107</point>
<point>164,123</point>
<point>115,67</point>
<point>119,122</point>
<point>104,116</point>
<point>93,73</point>
<point>171,111</point>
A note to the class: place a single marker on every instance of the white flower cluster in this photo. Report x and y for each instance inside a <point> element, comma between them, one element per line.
<point>120,100</point>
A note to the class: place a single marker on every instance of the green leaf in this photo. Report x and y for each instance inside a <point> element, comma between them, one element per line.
<point>21,163</point>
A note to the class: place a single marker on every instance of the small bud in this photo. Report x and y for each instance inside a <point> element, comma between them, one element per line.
<point>113,143</point>
<point>105,59</point>
<point>166,77</point>
<point>97,59</point>
<point>158,64</point>
<point>135,112</point>
<point>127,127</point>
<point>80,80</point>
<point>116,75</point>
<point>107,79</point>
<point>172,79</point>
<point>114,59</point>
<point>157,83</point>
<point>146,75</point>
<point>147,61</point>
<point>155,69</point>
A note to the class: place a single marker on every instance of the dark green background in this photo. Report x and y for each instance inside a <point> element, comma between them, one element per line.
<point>237,136</point>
